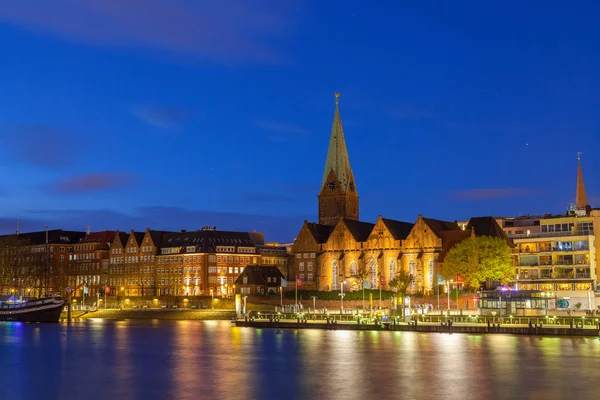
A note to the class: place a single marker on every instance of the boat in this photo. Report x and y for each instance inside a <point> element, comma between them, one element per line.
<point>34,310</point>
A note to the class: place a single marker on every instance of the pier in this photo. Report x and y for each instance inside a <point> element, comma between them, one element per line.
<point>550,326</point>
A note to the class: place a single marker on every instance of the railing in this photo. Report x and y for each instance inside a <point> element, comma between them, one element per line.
<point>551,234</point>
<point>549,250</point>
<point>569,275</point>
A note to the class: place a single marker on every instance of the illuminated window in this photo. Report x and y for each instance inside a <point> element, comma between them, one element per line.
<point>373,273</point>
<point>412,271</point>
<point>310,266</point>
<point>301,266</point>
<point>430,274</point>
<point>334,275</point>
<point>392,268</point>
<point>353,268</point>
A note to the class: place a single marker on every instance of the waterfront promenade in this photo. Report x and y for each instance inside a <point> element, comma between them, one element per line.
<point>152,314</point>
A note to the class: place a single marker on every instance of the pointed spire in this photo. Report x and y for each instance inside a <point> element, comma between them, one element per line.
<point>337,154</point>
<point>580,197</point>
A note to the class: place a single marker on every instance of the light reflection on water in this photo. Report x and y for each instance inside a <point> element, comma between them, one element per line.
<point>193,359</point>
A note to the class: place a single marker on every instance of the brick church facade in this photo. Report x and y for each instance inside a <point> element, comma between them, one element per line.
<point>341,249</point>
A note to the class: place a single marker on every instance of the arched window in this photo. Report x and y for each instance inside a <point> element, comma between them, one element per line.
<point>413,271</point>
<point>334,275</point>
<point>392,268</point>
<point>373,273</point>
<point>430,276</point>
<point>353,268</point>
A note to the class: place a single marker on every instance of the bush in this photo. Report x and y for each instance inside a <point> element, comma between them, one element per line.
<point>335,295</point>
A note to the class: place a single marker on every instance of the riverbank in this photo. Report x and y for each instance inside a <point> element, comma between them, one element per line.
<point>179,315</point>
<point>538,330</point>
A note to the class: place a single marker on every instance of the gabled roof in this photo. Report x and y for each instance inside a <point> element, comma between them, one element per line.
<point>451,239</point>
<point>337,153</point>
<point>319,232</point>
<point>258,274</point>
<point>360,230</point>
<point>157,236</point>
<point>123,236</point>
<point>102,236</point>
<point>439,226</point>
<point>487,226</point>
<point>56,236</point>
<point>206,241</point>
<point>398,229</point>
<point>139,237</point>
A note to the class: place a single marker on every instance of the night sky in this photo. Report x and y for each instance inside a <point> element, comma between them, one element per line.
<point>178,114</point>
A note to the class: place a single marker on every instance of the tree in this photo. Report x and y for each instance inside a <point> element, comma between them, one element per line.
<point>401,283</point>
<point>479,259</point>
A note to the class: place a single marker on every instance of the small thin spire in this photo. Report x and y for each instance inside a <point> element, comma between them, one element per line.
<point>337,99</point>
<point>580,196</point>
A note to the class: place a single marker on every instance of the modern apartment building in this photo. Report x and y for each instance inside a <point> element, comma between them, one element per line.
<point>558,254</point>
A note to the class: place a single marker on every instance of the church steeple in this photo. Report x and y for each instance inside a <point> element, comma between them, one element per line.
<point>337,153</point>
<point>580,197</point>
<point>338,197</point>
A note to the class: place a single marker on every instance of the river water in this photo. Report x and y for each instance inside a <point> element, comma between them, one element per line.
<point>98,359</point>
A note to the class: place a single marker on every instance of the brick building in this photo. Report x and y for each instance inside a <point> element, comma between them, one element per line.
<point>36,263</point>
<point>88,262</point>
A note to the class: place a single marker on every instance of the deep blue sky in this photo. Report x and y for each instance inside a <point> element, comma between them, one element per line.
<point>180,114</point>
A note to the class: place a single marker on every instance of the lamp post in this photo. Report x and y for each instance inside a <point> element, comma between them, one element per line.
<point>212,294</point>
<point>438,293</point>
<point>448,290</point>
<point>342,297</point>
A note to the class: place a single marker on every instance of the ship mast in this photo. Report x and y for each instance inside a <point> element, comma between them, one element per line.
<point>45,274</point>
<point>16,268</point>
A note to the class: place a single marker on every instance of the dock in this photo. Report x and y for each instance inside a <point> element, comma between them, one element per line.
<point>535,329</point>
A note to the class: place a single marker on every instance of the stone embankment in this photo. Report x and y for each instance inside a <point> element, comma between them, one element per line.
<point>150,314</point>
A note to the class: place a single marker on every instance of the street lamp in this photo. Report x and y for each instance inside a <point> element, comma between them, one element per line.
<point>212,294</point>
<point>448,289</point>
<point>342,297</point>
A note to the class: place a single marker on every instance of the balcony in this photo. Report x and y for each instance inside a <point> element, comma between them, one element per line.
<point>552,234</point>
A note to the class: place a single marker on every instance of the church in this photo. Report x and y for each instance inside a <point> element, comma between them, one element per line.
<point>340,249</point>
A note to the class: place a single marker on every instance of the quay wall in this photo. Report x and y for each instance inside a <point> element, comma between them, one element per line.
<point>469,329</point>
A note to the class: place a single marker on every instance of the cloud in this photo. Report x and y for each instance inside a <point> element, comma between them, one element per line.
<point>162,117</point>
<point>43,146</point>
<point>284,132</point>
<point>490,194</point>
<point>223,31</point>
<point>276,228</point>
<point>93,182</point>
<point>268,198</point>
<point>284,128</point>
